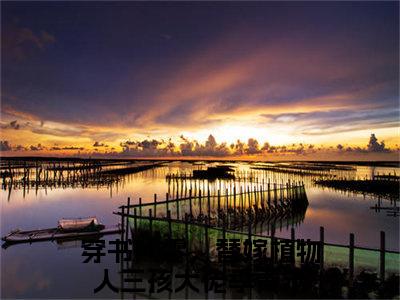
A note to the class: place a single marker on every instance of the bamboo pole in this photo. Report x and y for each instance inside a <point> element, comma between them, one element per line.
<point>382,257</point>
<point>351,259</point>
<point>322,240</point>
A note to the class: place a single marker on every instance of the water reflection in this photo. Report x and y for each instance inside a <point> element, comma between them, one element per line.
<point>45,270</point>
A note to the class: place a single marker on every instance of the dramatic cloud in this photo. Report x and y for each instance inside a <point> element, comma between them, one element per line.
<point>39,147</point>
<point>375,146</point>
<point>327,122</point>
<point>20,148</point>
<point>20,42</point>
<point>13,124</point>
<point>238,148</point>
<point>68,148</point>
<point>98,144</point>
<point>73,148</point>
<point>253,147</point>
<point>211,148</point>
<point>271,74</point>
<point>147,148</point>
<point>5,146</point>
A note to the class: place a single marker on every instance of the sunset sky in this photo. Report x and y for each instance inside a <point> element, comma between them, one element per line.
<point>99,77</point>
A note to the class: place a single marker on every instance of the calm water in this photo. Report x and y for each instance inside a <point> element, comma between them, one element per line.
<point>47,269</point>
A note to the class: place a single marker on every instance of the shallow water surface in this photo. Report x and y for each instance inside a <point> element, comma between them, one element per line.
<point>43,270</point>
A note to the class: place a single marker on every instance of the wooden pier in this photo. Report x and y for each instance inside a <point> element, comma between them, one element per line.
<point>248,206</point>
<point>37,174</point>
<point>379,187</point>
<point>234,205</point>
<point>203,234</point>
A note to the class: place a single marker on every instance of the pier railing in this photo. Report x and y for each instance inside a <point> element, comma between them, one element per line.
<point>248,214</point>
<point>263,203</point>
<point>203,238</point>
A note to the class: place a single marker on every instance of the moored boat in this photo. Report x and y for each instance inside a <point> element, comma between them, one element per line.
<point>67,229</point>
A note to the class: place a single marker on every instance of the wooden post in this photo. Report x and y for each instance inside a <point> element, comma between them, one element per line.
<point>128,207</point>
<point>223,230</point>
<point>208,206</point>
<point>261,193</point>
<point>234,205</point>
<point>177,190</point>
<point>151,221</point>
<point>127,220</point>
<point>140,207</point>
<point>185,184</point>
<point>177,209</point>
<point>234,198</point>
<point>293,239</point>
<point>200,210</point>
<point>122,221</point>
<point>273,252</point>
<point>321,240</point>
<point>255,196</point>
<point>382,257</point>
<point>190,204</point>
<point>169,224</point>
<point>226,200</point>
<point>134,221</point>
<point>287,192</point>
<point>166,202</point>
<point>250,195</point>
<point>219,205</point>
<point>155,205</point>
<point>351,259</point>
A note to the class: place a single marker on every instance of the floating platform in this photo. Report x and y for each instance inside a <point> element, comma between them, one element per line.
<point>214,173</point>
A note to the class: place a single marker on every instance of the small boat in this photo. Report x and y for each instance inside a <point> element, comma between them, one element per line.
<point>67,229</point>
